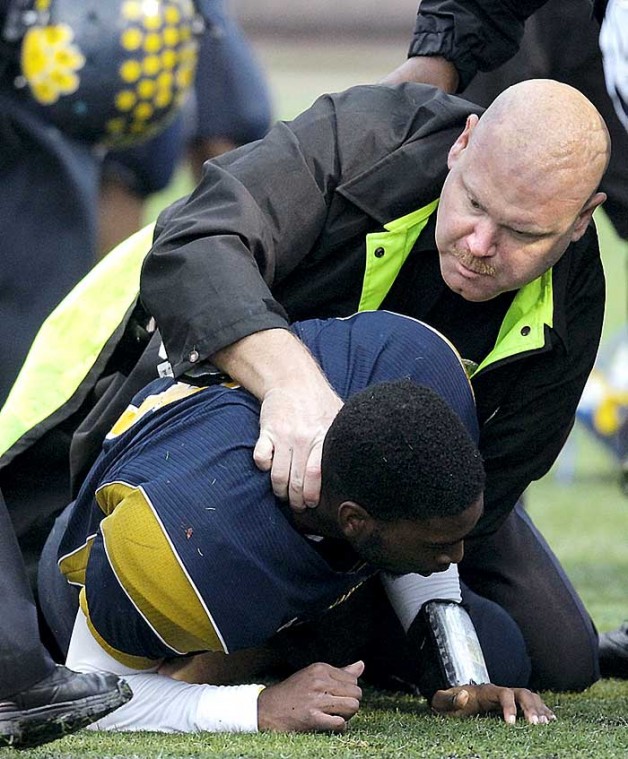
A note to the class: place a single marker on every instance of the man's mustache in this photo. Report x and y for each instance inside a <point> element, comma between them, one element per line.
<point>478,265</point>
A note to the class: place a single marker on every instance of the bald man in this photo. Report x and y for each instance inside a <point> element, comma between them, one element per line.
<point>406,199</point>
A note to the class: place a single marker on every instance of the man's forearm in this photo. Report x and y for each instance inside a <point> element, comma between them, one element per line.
<point>161,703</point>
<point>408,593</point>
<point>434,70</point>
<point>268,360</point>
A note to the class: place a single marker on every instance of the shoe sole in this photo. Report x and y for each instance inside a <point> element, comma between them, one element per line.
<point>47,723</point>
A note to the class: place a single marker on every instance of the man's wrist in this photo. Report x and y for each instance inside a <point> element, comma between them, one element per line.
<point>267,360</point>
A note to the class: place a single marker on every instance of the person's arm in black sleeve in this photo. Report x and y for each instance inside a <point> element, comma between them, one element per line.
<point>253,218</point>
<point>463,37</point>
<point>256,215</point>
<point>521,441</point>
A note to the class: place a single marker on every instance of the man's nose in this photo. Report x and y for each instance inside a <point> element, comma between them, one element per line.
<point>481,242</point>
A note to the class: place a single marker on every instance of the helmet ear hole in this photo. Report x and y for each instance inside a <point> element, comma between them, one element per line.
<point>109,71</point>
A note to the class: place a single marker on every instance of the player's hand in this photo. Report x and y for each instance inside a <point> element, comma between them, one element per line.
<point>317,698</point>
<point>426,69</point>
<point>293,425</point>
<point>468,700</point>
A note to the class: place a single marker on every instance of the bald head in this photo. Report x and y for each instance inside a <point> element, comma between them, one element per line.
<point>522,186</point>
<point>547,131</point>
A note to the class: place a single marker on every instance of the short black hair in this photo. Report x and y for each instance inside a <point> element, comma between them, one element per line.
<point>401,452</point>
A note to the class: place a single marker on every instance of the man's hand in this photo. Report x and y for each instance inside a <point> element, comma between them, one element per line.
<point>426,69</point>
<point>293,425</point>
<point>468,700</point>
<point>298,406</point>
<point>317,698</point>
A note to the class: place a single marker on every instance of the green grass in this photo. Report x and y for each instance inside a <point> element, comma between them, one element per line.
<point>593,725</point>
<point>578,506</point>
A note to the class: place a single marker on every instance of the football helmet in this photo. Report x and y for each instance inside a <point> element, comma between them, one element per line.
<point>110,71</point>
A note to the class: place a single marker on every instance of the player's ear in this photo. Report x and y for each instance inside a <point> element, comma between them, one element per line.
<point>354,521</point>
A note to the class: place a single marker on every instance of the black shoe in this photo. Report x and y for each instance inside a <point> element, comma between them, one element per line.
<point>614,652</point>
<point>59,704</point>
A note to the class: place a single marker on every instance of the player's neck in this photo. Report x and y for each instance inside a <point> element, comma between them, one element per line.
<point>320,520</point>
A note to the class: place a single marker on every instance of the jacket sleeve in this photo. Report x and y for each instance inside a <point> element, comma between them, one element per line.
<point>475,35</point>
<point>254,216</point>
<point>522,439</point>
<point>257,215</point>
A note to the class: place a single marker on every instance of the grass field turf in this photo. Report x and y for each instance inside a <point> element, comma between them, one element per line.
<point>578,506</point>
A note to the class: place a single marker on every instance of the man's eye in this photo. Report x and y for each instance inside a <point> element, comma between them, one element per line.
<point>474,204</point>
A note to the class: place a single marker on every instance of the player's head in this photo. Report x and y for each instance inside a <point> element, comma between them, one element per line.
<point>522,185</point>
<point>405,477</point>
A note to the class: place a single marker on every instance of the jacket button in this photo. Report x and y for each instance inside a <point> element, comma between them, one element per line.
<point>379,252</point>
<point>525,331</point>
<point>193,357</point>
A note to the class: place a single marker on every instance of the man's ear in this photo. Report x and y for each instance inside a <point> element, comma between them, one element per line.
<point>461,144</point>
<point>354,520</point>
<point>584,217</point>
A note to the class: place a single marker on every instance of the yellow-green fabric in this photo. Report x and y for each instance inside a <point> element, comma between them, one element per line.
<point>523,328</point>
<point>386,253</point>
<point>72,337</point>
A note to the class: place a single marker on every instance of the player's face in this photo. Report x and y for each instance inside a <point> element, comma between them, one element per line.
<point>499,224</point>
<point>424,547</point>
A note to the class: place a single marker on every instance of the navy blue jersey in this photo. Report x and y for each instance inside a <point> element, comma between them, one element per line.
<point>176,535</point>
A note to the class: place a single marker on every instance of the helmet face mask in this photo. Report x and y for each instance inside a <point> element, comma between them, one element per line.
<point>109,71</point>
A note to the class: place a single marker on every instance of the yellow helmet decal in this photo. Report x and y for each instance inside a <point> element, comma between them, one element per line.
<point>122,82</point>
<point>50,62</point>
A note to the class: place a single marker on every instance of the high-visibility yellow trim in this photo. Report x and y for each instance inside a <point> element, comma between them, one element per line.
<point>151,572</point>
<point>523,328</point>
<point>386,253</point>
<point>72,337</point>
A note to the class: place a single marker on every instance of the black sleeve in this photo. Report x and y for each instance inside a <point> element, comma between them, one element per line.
<point>475,35</point>
<point>256,216</point>
<point>255,213</point>
<point>522,439</point>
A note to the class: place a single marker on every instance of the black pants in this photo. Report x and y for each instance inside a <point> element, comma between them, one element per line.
<point>23,659</point>
<point>517,569</point>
